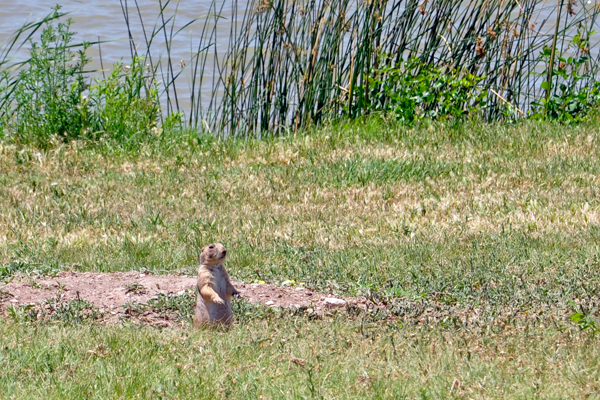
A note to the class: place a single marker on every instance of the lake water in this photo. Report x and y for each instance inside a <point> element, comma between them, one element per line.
<point>103,20</point>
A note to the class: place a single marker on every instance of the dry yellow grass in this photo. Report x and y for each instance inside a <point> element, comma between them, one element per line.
<point>266,192</point>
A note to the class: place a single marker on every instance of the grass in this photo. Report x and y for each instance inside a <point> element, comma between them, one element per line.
<point>481,239</point>
<point>293,357</point>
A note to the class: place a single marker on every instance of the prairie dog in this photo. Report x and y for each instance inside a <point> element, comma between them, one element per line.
<point>214,288</point>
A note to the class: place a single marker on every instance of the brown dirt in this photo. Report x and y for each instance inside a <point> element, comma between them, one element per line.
<point>115,299</point>
<point>109,291</point>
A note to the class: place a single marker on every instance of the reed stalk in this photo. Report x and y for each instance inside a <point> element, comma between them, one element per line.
<point>553,51</point>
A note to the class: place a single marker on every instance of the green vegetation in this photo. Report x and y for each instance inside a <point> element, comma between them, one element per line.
<point>49,93</point>
<point>293,357</point>
<point>289,67</point>
<point>482,240</point>
<point>309,207</point>
<point>175,307</point>
<point>51,101</point>
<point>416,91</point>
<point>567,100</point>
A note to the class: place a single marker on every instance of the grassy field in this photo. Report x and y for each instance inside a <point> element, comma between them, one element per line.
<point>481,240</point>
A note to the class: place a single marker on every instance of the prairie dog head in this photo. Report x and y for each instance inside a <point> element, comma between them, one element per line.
<point>213,254</point>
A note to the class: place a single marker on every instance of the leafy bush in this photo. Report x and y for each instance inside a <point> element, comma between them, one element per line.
<point>569,100</point>
<point>47,96</point>
<point>413,91</point>
<point>125,106</point>
<point>50,98</point>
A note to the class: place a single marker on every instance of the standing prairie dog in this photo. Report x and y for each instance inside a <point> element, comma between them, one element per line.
<point>214,288</point>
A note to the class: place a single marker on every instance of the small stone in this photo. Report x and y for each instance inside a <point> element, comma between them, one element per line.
<point>300,288</point>
<point>181,293</point>
<point>333,302</point>
<point>270,303</point>
<point>287,283</point>
<point>14,301</point>
<point>142,275</point>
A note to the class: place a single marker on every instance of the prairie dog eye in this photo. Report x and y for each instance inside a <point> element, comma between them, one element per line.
<point>211,247</point>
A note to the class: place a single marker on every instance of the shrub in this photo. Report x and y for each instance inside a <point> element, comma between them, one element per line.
<point>568,101</point>
<point>47,96</point>
<point>125,106</point>
<point>413,90</point>
<point>50,96</point>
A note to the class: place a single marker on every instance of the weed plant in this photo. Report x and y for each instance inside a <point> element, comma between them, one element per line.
<point>414,91</point>
<point>174,307</point>
<point>51,101</point>
<point>48,94</point>
<point>135,287</point>
<point>568,100</point>
<point>124,107</point>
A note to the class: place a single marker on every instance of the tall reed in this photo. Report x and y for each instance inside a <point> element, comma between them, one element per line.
<point>292,63</point>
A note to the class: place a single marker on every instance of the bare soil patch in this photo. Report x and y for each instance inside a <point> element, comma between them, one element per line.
<point>165,300</point>
<point>112,292</point>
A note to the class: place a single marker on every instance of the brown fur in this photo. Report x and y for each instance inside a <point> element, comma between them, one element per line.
<point>214,288</point>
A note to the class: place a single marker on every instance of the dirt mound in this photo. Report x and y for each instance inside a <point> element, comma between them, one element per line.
<point>112,292</point>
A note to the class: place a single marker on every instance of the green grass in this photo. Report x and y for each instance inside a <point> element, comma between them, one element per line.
<point>293,357</point>
<point>481,240</point>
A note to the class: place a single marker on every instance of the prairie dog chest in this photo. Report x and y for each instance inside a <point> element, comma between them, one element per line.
<point>215,276</point>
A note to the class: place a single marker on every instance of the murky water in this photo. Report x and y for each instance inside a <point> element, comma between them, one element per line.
<point>104,20</point>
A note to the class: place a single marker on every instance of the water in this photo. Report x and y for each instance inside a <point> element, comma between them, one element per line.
<point>104,20</point>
